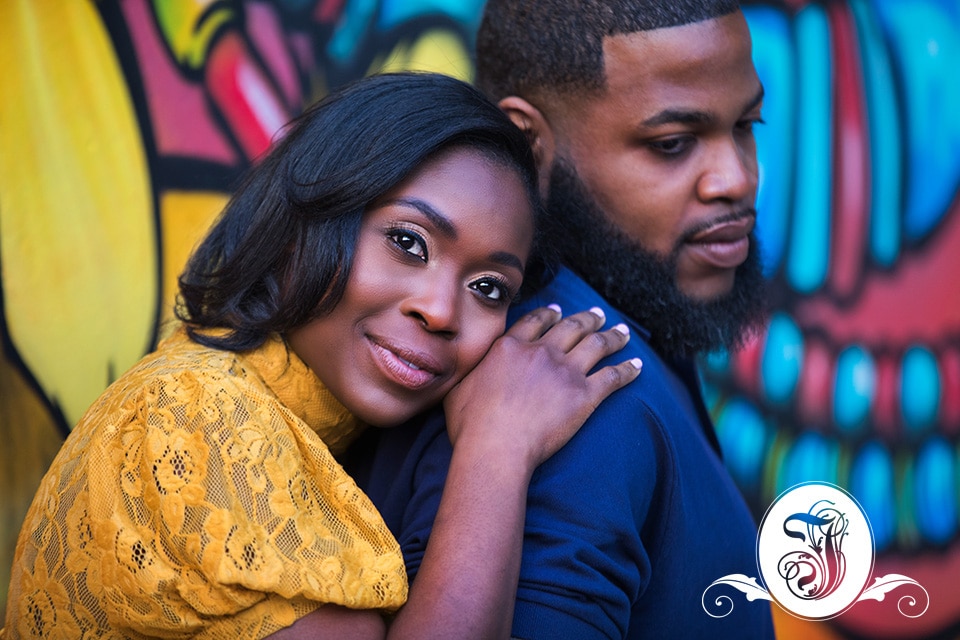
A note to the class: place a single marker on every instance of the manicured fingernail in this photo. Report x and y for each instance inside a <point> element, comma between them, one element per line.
<point>622,329</point>
<point>597,311</point>
<point>637,363</point>
<point>555,307</point>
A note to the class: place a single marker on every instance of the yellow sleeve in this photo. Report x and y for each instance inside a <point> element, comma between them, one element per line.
<point>230,518</point>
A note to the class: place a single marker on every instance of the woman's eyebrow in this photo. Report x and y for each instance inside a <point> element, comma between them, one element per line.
<point>437,219</point>
<point>507,259</point>
<point>446,227</point>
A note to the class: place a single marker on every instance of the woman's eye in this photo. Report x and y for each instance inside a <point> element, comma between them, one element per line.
<point>492,289</point>
<point>409,242</point>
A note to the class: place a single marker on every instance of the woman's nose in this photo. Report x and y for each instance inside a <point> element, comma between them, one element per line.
<point>436,305</point>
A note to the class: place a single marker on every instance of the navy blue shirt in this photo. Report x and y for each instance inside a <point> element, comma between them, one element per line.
<point>626,526</point>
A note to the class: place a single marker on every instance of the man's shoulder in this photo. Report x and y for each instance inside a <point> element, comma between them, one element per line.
<point>658,382</point>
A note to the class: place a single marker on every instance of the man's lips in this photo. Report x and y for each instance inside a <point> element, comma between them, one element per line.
<point>724,245</point>
<point>406,367</point>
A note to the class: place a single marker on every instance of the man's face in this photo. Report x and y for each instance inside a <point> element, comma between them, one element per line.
<point>667,151</point>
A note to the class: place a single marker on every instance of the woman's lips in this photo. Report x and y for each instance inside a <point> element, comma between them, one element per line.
<point>724,245</point>
<point>409,369</point>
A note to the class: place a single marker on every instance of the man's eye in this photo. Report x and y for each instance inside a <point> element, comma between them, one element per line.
<point>748,124</point>
<point>670,146</point>
<point>409,242</point>
<point>492,289</point>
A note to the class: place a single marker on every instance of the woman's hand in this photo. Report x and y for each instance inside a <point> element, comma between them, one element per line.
<point>532,392</point>
<point>524,401</point>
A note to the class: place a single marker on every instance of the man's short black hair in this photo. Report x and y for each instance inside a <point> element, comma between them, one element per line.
<point>530,47</point>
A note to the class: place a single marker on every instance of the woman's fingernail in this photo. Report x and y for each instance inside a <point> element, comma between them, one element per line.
<point>637,363</point>
<point>622,329</point>
<point>555,307</point>
<point>597,311</point>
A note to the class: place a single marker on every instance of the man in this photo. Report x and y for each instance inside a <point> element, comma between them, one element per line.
<point>640,114</point>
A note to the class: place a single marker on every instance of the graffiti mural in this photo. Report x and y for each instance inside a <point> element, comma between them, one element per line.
<point>856,380</point>
<point>125,123</point>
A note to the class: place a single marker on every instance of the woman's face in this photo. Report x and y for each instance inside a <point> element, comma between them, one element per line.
<point>437,263</point>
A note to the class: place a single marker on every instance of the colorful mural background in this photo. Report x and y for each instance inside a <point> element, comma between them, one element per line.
<point>123,125</point>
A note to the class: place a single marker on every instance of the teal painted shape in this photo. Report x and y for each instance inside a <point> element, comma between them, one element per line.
<point>774,58</point>
<point>854,389</point>
<point>886,143</point>
<point>809,255</point>
<point>919,389</point>
<point>782,359</point>
<point>872,482</point>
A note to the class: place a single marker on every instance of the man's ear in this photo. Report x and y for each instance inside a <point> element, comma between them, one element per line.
<point>535,126</point>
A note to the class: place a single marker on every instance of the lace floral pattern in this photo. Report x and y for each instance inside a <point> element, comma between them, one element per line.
<point>199,498</point>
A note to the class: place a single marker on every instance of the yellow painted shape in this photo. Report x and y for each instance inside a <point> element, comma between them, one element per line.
<point>437,50</point>
<point>79,257</point>
<point>185,218</point>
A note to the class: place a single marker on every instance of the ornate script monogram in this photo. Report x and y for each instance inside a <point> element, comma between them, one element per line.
<point>816,571</point>
<point>815,553</point>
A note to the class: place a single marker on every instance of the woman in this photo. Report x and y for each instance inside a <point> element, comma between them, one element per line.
<point>357,277</point>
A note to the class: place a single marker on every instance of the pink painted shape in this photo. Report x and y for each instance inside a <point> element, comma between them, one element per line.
<point>181,120</point>
<point>916,302</point>
<point>268,38</point>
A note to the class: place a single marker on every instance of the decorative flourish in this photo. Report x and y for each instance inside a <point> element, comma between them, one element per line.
<point>817,573</point>
<point>882,586</point>
<point>723,604</point>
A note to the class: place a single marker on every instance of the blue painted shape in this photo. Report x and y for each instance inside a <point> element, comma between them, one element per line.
<point>812,457</point>
<point>854,389</point>
<point>872,483</point>
<point>773,56</point>
<point>924,37</point>
<point>394,13</point>
<point>935,491</point>
<point>352,27</point>
<point>809,254</point>
<point>919,389</point>
<point>886,144</point>
<point>782,359</point>
<point>745,439</point>
<point>717,361</point>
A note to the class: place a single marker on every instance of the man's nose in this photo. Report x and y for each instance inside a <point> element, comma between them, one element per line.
<point>731,173</point>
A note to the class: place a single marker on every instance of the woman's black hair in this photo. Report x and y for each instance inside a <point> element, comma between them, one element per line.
<point>282,249</point>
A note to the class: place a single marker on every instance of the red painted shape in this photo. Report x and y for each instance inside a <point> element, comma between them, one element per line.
<point>815,390</point>
<point>242,93</point>
<point>327,11</point>
<point>885,411</point>
<point>851,180</point>
<point>910,304</point>
<point>950,390</point>
<point>936,571</point>
<point>746,363</point>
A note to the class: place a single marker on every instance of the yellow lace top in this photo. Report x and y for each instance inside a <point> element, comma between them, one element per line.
<point>198,497</point>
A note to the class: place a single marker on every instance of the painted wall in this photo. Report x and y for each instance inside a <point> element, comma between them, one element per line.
<point>123,125</point>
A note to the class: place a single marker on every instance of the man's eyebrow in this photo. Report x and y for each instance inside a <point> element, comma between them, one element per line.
<point>437,219</point>
<point>692,116</point>
<point>757,99</point>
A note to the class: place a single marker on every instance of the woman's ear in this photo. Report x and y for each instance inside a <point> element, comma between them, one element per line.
<point>535,126</point>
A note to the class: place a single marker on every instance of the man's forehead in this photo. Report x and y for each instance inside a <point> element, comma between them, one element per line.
<point>717,49</point>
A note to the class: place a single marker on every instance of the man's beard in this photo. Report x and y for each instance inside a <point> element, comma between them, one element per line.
<point>643,284</point>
